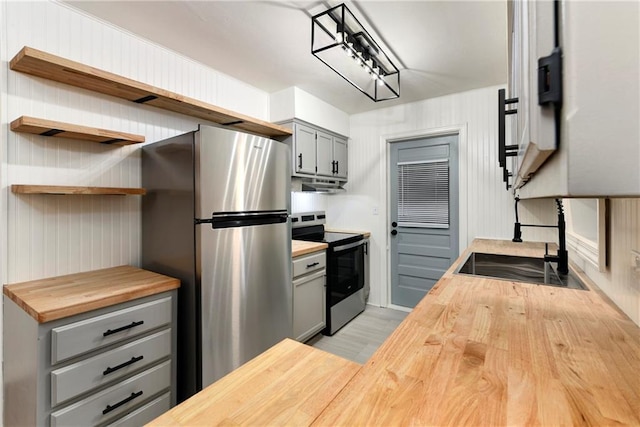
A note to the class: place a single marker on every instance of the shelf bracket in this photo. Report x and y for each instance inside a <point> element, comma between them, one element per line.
<point>145,99</point>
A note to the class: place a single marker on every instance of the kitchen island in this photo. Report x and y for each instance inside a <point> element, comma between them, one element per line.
<point>482,351</point>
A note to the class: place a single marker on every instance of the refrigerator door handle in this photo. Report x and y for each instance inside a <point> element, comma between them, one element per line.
<point>233,221</point>
<point>247,214</point>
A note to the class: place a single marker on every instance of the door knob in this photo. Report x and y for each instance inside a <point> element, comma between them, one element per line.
<point>394,232</point>
<point>394,224</point>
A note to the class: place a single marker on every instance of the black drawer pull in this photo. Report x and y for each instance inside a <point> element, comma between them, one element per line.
<point>110,408</point>
<point>124,328</point>
<point>313,264</point>
<point>122,365</point>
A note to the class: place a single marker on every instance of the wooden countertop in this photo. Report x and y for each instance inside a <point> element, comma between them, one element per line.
<point>299,247</point>
<point>480,351</point>
<point>475,351</point>
<point>63,296</point>
<point>289,384</point>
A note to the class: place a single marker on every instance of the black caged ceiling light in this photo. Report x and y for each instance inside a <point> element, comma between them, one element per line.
<point>341,42</point>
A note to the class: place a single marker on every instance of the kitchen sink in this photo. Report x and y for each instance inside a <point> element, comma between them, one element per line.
<point>517,268</point>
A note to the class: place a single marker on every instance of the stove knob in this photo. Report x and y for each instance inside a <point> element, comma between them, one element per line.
<point>394,232</point>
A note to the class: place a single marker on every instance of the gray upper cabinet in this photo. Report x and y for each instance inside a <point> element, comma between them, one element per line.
<point>340,157</point>
<point>317,152</point>
<point>324,153</point>
<point>305,150</point>
<point>590,147</point>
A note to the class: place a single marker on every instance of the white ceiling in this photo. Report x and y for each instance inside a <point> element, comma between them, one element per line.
<point>440,47</point>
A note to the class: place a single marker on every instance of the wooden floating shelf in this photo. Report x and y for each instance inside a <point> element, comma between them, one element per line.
<point>52,67</point>
<point>66,130</point>
<point>70,190</point>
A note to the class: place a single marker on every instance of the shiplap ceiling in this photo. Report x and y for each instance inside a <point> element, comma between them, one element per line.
<point>441,47</point>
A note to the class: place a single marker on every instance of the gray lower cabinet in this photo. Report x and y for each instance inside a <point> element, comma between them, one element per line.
<point>309,295</point>
<point>111,366</point>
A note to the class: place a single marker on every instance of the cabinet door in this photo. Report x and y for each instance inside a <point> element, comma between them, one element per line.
<point>308,305</point>
<point>340,157</point>
<point>325,154</point>
<point>533,33</point>
<point>305,149</point>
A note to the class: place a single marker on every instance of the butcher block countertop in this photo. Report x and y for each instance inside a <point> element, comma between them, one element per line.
<point>475,351</point>
<point>63,296</point>
<point>299,247</point>
<point>289,384</point>
<point>479,351</point>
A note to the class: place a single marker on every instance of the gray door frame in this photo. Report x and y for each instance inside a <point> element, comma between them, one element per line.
<point>386,141</point>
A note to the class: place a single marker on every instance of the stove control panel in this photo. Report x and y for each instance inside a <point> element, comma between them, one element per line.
<point>306,219</point>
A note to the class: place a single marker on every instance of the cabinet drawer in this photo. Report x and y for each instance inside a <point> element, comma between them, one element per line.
<point>83,376</point>
<point>145,414</point>
<point>116,400</point>
<point>308,263</point>
<point>80,337</point>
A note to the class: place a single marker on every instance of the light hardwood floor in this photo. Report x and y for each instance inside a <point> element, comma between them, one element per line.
<point>360,338</point>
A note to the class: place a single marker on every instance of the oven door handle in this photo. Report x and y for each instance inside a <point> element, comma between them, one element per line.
<point>348,246</point>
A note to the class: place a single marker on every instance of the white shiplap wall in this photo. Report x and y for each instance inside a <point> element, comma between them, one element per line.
<point>308,202</point>
<point>3,180</point>
<point>44,236</point>
<point>620,282</point>
<point>486,208</point>
<point>53,235</point>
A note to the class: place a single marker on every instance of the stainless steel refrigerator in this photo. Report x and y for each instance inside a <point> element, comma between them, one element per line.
<point>216,216</point>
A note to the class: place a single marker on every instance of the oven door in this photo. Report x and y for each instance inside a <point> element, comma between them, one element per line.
<point>345,271</point>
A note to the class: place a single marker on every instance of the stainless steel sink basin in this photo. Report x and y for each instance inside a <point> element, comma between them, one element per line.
<point>517,268</point>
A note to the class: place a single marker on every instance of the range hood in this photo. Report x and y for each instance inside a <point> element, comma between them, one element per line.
<point>317,185</point>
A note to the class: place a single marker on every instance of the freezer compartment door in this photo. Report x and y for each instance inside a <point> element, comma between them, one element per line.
<point>239,172</point>
<point>246,294</point>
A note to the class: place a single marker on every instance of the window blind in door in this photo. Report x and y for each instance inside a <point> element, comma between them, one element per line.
<point>423,194</point>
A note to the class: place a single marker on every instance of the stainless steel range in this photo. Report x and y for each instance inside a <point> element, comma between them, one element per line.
<point>345,267</point>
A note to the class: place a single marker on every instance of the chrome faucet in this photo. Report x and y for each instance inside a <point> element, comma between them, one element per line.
<point>562,257</point>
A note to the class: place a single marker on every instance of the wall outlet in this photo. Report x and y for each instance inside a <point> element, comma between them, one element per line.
<point>375,210</point>
<point>635,261</point>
